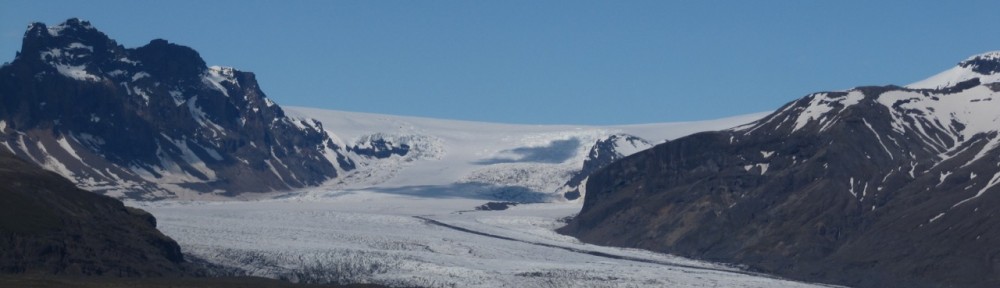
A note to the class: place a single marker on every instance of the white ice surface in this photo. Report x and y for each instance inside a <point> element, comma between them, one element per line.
<point>374,237</point>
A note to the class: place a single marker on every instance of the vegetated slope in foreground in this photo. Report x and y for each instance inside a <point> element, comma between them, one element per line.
<point>53,234</point>
<point>48,226</point>
<point>870,187</point>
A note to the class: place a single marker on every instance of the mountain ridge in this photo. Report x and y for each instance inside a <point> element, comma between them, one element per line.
<point>870,187</point>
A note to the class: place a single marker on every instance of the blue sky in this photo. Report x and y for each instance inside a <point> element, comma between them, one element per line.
<point>547,62</point>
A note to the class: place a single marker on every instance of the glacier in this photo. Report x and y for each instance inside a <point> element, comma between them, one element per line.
<point>409,220</point>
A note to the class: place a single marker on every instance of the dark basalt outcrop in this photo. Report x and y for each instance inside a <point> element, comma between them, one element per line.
<point>50,227</point>
<point>872,187</point>
<point>377,147</point>
<point>496,206</point>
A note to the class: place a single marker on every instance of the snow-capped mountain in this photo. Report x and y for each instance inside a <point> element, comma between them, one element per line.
<point>153,121</point>
<point>870,187</point>
<point>156,122</point>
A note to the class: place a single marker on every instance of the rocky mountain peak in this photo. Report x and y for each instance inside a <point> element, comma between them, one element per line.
<point>72,37</point>
<point>152,120</point>
<point>163,59</point>
<point>72,27</point>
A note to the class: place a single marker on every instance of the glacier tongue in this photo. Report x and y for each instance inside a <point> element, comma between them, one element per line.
<point>365,236</point>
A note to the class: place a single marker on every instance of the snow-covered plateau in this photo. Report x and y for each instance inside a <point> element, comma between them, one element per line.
<point>410,220</point>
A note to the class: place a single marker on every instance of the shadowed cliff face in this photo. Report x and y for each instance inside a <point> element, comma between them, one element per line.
<point>872,187</point>
<point>153,121</point>
<point>48,226</point>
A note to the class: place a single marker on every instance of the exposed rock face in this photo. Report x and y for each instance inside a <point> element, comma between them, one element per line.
<point>604,152</point>
<point>48,226</point>
<point>871,187</point>
<point>152,121</point>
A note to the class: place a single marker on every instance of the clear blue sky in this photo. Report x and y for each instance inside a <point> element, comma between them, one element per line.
<point>546,62</point>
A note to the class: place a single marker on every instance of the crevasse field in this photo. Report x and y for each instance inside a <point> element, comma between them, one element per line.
<point>410,221</point>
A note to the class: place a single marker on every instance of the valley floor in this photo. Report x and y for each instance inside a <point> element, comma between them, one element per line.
<point>362,236</point>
